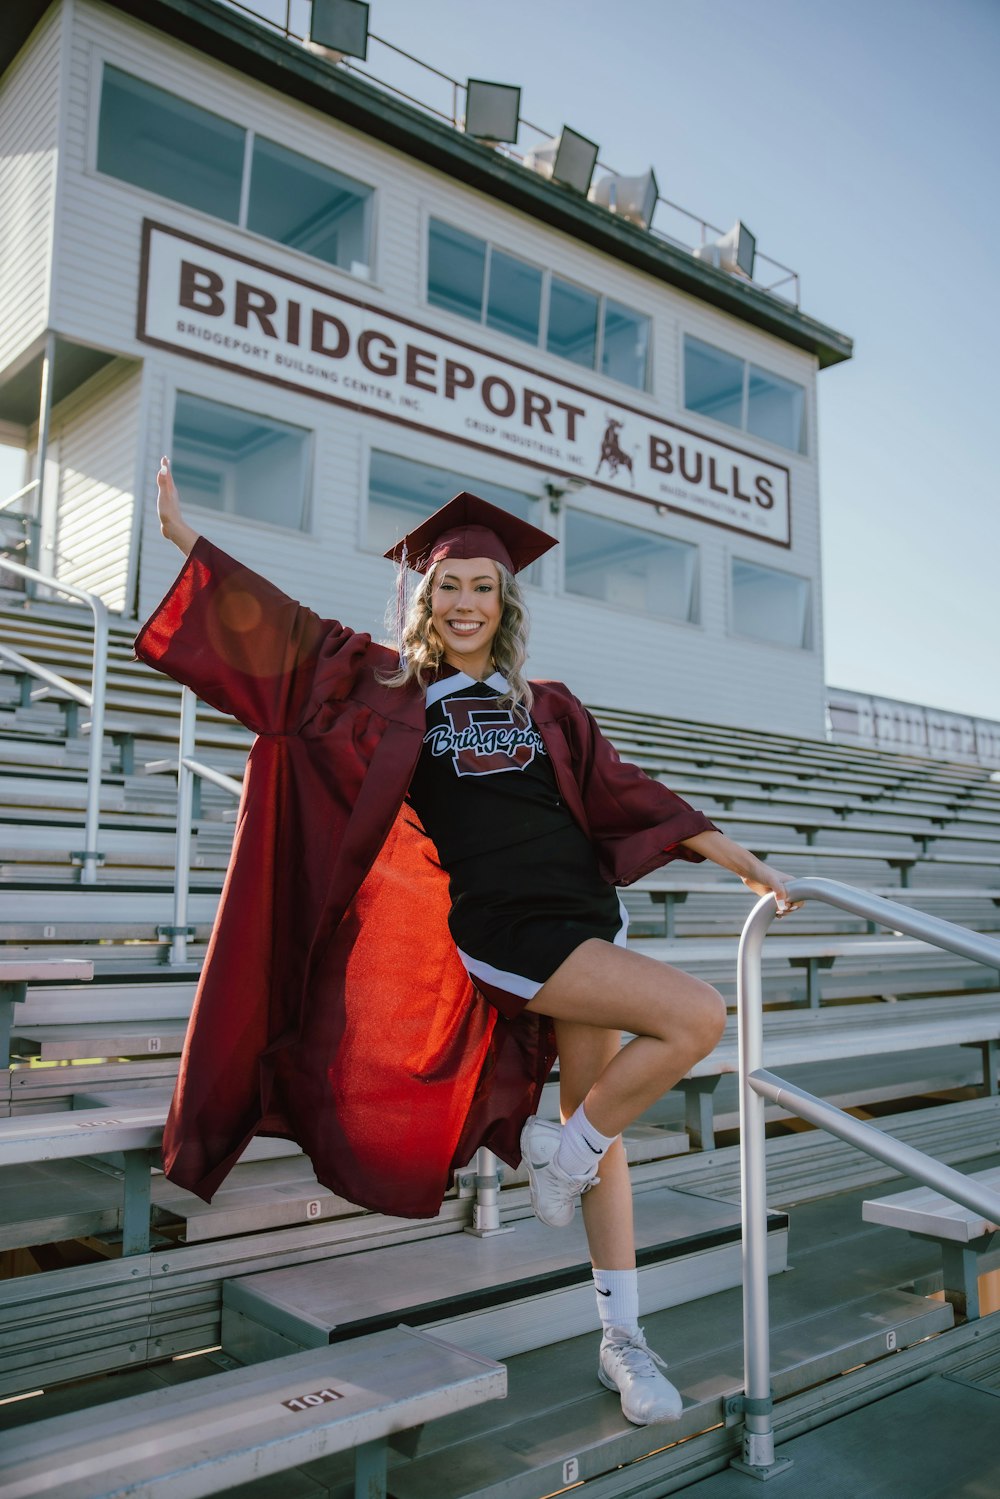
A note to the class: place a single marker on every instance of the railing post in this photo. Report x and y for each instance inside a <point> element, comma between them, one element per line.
<point>95,759</point>
<point>757,1086</point>
<point>486,1208</point>
<point>180,934</point>
<point>758,1428</point>
<point>90,858</point>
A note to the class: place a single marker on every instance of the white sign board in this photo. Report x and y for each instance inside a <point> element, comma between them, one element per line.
<point>210,304</point>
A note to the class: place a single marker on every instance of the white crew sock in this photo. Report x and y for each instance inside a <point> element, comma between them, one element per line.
<point>581,1146</point>
<point>617,1299</point>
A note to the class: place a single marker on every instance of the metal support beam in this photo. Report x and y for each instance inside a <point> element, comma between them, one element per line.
<point>989,1050</point>
<point>41,457</point>
<point>699,1110</point>
<point>135,1215</point>
<point>12,992</point>
<point>370,1469</point>
<point>960,1264</point>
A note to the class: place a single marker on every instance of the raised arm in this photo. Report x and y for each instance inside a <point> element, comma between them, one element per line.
<point>238,641</point>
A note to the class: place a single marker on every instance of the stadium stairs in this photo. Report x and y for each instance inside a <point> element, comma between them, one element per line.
<point>278,1265</point>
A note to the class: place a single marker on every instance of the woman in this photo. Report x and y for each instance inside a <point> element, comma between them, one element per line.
<point>445,791</point>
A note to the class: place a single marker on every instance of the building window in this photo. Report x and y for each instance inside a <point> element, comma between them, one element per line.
<point>402,493</point>
<point>310,207</point>
<point>772,606</point>
<point>475,279</point>
<point>514,304</point>
<point>158,141</point>
<point>456,271</point>
<point>742,395</point>
<point>630,568</point>
<point>776,409</point>
<point>625,345</point>
<point>240,462</point>
<point>572,330</point>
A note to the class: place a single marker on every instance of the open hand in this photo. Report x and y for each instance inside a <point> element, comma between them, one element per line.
<point>168,501</point>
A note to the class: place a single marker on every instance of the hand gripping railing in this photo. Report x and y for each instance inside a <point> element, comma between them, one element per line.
<point>758,1085</point>
<point>94,700</point>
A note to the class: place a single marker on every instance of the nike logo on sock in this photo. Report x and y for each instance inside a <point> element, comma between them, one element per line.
<point>595,1148</point>
<point>600,1292</point>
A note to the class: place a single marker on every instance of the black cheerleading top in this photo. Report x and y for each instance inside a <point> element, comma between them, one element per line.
<point>524,880</point>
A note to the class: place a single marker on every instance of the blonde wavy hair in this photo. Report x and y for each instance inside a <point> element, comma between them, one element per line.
<point>423,650</point>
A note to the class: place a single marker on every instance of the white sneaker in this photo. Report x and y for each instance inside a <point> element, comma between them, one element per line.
<point>629,1366</point>
<point>553,1192</point>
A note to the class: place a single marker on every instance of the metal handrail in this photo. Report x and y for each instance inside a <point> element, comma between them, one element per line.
<point>351,65</point>
<point>90,858</point>
<point>188,771</point>
<point>52,678</point>
<point>757,1084</point>
<point>25,489</point>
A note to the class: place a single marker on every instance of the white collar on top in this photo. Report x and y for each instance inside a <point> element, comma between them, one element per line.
<point>445,686</point>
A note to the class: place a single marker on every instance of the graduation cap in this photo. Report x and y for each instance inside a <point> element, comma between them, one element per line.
<point>470,527</point>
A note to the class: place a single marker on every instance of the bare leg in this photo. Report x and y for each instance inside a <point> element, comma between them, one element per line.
<point>596,993</point>
<point>584,1052</point>
<point>675,1019</point>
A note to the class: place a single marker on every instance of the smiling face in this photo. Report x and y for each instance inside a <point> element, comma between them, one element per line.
<point>466,611</point>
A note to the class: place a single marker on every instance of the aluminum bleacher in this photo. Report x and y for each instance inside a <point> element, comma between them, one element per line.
<point>109,1271</point>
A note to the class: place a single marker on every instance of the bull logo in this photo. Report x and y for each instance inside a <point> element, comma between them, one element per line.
<point>612,452</point>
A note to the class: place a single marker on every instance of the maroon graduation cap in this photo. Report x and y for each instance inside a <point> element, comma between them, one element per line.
<point>470,527</point>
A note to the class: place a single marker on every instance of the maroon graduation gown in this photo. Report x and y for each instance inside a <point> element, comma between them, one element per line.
<point>333,1008</point>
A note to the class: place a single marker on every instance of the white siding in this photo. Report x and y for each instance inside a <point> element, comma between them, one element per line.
<point>96,434</point>
<point>29,115</point>
<point>610,656</point>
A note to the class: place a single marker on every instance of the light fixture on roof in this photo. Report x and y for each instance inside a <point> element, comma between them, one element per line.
<point>569,158</point>
<point>733,252</point>
<point>492,111</point>
<point>339,29</point>
<point>632,198</point>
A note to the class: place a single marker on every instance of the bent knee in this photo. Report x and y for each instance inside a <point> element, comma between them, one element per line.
<point>715,1013</point>
<point>705,1018</point>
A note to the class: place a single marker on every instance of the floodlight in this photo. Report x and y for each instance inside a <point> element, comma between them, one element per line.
<point>340,26</point>
<point>570,159</point>
<point>492,110</point>
<point>734,252</point>
<point>632,198</point>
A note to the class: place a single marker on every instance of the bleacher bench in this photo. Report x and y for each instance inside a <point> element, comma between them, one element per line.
<point>814,954</point>
<point>133,1134</point>
<point>793,1038</point>
<point>671,891</point>
<point>211,1434</point>
<point>967,1240</point>
<point>15,976</point>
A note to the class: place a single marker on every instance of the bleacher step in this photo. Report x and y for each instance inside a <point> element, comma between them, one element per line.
<point>556,1414</point>
<point>275,1186</point>
<point>500,1295</point>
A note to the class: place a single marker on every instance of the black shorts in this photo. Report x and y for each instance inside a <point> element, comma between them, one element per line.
<point>518,912</point>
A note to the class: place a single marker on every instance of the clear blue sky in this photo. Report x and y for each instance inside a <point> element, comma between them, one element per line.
<point>859,142</point>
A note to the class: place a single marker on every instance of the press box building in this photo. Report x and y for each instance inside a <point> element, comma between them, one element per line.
<point>335,310</point>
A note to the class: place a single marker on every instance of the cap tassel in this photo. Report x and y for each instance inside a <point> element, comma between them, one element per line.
<point>401,602</point>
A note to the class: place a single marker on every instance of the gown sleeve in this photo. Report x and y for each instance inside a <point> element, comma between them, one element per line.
<point>639,823</point>
<point>245,647</point>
